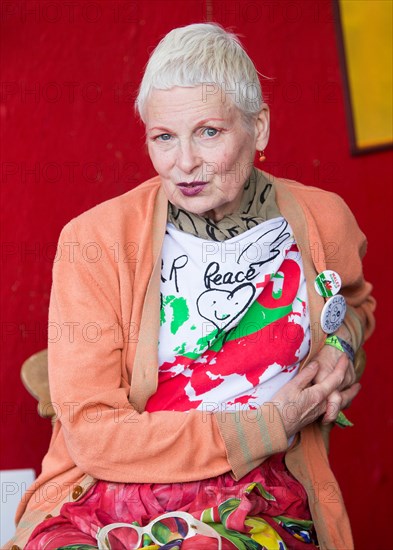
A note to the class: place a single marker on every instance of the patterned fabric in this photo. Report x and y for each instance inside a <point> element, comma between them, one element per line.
<point>234,320</point>
<point>262,511</point>
<point>258,205</point>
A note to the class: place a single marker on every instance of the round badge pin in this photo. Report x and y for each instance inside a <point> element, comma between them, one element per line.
<point>327,283</point>
<point>333,314</point>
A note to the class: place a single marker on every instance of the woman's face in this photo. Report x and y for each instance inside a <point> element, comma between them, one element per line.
<point>200,146</point>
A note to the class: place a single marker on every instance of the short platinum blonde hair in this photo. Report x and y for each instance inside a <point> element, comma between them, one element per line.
<point>203,54</point>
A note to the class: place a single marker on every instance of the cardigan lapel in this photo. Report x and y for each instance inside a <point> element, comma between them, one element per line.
<point>310,247</point>
<point>144,378</point>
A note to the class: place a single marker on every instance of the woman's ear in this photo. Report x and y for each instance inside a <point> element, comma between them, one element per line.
<point>263,128</point>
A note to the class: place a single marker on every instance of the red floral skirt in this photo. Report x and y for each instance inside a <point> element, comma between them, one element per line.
<point>265,509</point>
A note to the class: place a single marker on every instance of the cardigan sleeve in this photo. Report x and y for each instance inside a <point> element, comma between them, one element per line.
<point>344,247</point>
<point>344,251</point>
<point>104,435</point>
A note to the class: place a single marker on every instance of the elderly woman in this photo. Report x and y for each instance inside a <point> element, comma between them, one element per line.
<point>206,344</point>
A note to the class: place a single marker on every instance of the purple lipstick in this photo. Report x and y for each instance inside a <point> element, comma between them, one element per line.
<point>192,188</point>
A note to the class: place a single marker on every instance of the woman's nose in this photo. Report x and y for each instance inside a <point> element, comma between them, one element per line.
<point>188,158</point>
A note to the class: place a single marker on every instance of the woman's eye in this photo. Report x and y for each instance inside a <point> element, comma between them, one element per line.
<point>210,132</point>
<point>163,137</point>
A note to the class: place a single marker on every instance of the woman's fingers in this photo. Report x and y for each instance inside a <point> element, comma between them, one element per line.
<point>312,401</point>
<point>349,377</point>
<point>306,375</point>
<point>333,380</point>
<point>325,398</point>
<point>338,401</point>
<point>333,407</point>
<point>327,359</point>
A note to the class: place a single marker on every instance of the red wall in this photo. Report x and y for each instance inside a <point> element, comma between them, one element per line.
<point>70,141</point>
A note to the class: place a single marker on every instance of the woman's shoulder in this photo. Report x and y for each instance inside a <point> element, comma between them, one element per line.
<point>305,191</point>
<point>132,209</point>
<point>323,210</point>
<point>133,202</point>
<point>320,203</point>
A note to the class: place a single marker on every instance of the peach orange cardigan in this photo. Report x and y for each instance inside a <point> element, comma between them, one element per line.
<point>103,335</point>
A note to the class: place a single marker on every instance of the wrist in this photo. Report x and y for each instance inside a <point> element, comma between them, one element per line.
<point>340,344</point>
<point>344,333</point>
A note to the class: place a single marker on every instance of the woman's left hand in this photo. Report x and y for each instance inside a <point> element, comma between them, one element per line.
<point>327,359</point>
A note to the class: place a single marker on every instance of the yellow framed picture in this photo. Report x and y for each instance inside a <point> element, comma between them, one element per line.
<point>364,29</point>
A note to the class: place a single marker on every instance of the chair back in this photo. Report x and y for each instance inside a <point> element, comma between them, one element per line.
<point>34,375</point>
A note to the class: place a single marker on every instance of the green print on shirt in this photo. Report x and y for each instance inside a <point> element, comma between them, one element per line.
<point>256,318</point>
<point>203,344</point>
<point>180,311</point>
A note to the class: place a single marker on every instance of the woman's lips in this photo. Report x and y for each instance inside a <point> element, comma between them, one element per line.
<point>192,188</point>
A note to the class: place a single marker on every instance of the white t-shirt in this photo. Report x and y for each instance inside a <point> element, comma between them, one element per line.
<point>234,318</point>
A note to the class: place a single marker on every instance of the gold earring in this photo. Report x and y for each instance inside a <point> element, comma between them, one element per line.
<point>262,156</point>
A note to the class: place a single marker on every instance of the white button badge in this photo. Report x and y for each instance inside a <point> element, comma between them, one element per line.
<point>333,314</point>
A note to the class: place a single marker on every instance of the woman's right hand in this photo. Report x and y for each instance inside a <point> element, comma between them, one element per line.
<point>301,404</point>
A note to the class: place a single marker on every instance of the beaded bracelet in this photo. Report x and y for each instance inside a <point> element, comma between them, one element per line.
<point>341,344</point>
